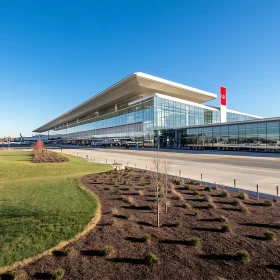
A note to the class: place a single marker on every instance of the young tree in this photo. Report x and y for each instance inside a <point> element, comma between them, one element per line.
<point>166,181</point>
<point>157,186</point>
<point>38,147</point>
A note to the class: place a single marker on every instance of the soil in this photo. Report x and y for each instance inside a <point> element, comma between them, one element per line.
<point>127,216</point>
<point>46,156</point>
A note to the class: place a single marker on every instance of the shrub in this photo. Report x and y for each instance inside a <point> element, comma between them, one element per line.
<point>130,216</point>
<point>115,211</point>
<point>178,182</point>
<point>150,259</point>
<point>208,189</point>
<point>225,193</point>
<point>194,241</point>
<point>141,192</point>
<point>243,208</point>
<point>67,251</point>
<point>58,273</point>
<point>177,194</point>
<point>225,228</point>
<point>269,235</point>
<point>243,196</point>
<point>108,251</point>
<point>128,199</point>
<point>196,213</point>
<point>236,202</point>
<point>188,188</point>
<point>179,224</point>
<point>196,192</point>
<point>268,203</point>
<point>208,198</point>
<point>211,205</point>
<point>147,237</point>
<point>243,256</point>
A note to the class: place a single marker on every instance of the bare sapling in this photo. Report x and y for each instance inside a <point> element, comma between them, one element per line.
<point>157,187</point>
<point>166,181</point>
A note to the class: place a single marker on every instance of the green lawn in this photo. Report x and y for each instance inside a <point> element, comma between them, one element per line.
<point>41,204</point>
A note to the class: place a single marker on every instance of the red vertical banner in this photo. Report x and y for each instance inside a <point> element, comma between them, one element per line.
<point>223,96</point>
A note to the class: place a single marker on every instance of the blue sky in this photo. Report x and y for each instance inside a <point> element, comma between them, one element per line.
<point>56,54</point>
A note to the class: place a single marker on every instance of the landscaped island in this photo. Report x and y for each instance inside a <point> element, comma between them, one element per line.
<point>207,234</point>
<point>41,204</point>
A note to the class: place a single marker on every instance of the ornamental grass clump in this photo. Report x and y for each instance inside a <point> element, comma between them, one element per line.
<point>243,256</point>
<point>208,198</point>
<point>128,199</point>
<point>67,251</point>
<point>151,259</point>
<point>208,189</point>
<point>268,203</point>
<point>243,196</point>
<point>196,192</point>
<point>269,235</point>
<point>225,228</point>
<point>194,241</point>
<point>58,273</point>
<point>130,216</point>
<point>225,194</point>
<point>178,182</point>
<point>188,187</point>
<point>147,238</point>
<point>179,224</point>
<point>141,192</point>
<point>211,205</point>
<point>108,251</point>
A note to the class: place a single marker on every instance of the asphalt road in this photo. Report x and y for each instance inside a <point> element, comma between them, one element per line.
<point>248,170</point>
<point>221,167</point>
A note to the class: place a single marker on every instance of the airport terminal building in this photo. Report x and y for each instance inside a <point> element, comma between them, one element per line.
<point>154,112</point>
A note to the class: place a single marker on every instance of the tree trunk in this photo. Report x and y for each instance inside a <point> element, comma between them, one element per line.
<point>166,198</point>
<point>158,225</point>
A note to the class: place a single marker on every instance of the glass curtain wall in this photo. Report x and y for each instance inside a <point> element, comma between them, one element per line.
<point>256,136</point>
<point>235,117</point>
<point>174,114</point>
<point>132,123</point>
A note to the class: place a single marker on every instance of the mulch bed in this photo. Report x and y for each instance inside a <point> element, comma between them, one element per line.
<point>46,156</point>
<point>127,216</point>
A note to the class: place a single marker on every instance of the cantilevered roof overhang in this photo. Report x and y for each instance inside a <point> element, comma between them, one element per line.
<point>137,85</point>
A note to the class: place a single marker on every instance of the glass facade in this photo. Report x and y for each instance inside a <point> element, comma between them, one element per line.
<point>257,136</point>
<point>175,114</point>
<point>134,122</point>
<point>163,121</point>
<point>237,117</point>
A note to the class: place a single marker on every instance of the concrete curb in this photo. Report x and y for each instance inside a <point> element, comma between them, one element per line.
<point>232,189</point>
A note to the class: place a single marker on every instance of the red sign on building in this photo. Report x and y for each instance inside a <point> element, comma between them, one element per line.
<point>223,96</point>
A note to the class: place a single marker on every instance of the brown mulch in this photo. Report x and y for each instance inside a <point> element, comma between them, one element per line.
<point>46,156</point>
<point>123,225</point>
